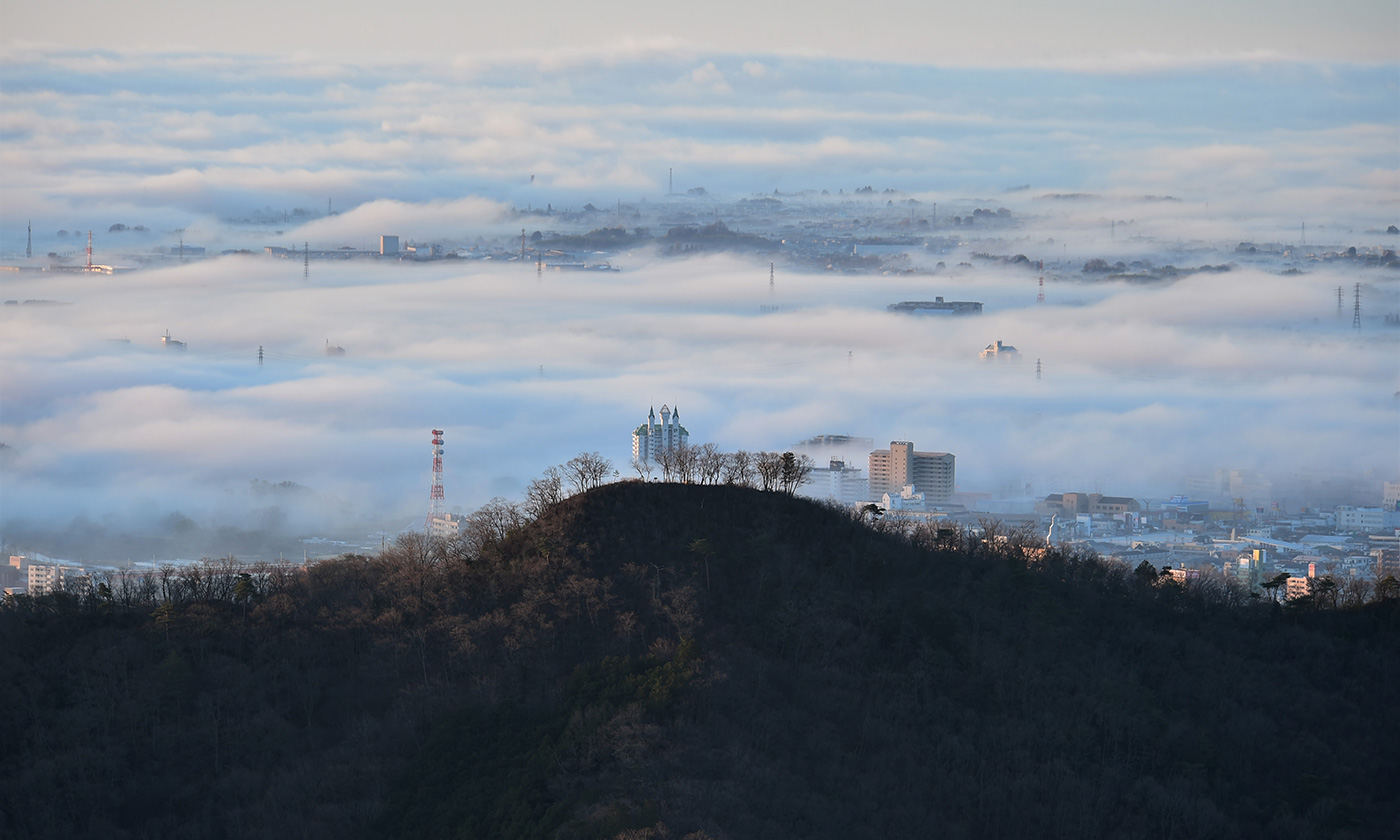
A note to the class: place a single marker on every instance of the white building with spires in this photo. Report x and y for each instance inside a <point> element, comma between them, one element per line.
<point>652,437</point>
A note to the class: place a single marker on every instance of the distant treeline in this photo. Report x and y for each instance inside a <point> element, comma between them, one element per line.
<point>677,660</point>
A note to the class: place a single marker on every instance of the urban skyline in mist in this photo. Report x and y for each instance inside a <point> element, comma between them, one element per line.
<point>1173,158</point>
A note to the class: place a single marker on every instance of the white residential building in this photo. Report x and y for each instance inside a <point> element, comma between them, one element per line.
<point>652,437</point>
<point>1366,519</point>
<point>845,484</point>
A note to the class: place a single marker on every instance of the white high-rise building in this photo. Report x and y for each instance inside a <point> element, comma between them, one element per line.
<point>652,437</point>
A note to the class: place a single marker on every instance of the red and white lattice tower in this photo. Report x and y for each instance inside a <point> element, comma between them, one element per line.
<point>437,501</point>
<point>1040,293</point>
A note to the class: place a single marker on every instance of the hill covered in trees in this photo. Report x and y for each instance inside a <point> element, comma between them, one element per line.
<point>666,660</point>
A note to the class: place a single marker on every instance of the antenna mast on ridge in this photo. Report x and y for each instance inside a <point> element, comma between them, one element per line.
<point>436,499</point>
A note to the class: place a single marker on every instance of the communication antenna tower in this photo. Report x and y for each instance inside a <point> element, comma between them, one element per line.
<point>1040,291</point>
<point>29,241</point>
<point>1356,309</point>
<point>89,251</point>
<point>1305,233</point>
<point>436,499</point>
<point>306,260</point>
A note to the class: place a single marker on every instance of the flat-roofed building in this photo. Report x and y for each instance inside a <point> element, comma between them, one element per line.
<point>931,473</point>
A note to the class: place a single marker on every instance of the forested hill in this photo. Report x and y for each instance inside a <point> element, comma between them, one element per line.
<point>663,660</point>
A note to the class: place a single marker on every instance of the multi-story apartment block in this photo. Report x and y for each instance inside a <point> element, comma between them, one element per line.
<point>45,579</point>
<point>931,473</point>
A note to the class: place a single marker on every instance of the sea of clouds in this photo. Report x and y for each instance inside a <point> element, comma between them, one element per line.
<point>1141,386</point>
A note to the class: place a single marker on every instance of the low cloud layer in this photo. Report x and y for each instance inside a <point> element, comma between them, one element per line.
<point>1141,386</point>
<point>171,140</point>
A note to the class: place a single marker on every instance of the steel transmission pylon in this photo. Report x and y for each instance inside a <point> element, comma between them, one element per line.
<point>436,499</point>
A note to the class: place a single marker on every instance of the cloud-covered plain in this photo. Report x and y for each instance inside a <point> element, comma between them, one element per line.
<point>91,139</point>
<point>1141,386</point>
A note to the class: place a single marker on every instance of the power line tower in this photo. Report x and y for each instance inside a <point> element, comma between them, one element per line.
<point>29,241</point>
<point>1339,301</point>
<point>1040,292</point>
<point>306,260</point>
<point>260,355</point>
<point>436,500</point>
<point>1356,309</point>
<point>89,251</point>
<point>1037,370</point>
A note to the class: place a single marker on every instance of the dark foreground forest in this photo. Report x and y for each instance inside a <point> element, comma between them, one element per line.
<point>659,660</point>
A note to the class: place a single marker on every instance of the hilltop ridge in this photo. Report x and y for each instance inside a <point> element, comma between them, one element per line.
<point>700,661</point>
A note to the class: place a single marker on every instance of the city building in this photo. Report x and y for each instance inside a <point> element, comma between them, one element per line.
<point>447,526</point>
<point>1248,568</point>
<point>1069,505</point>
<point>997,350</point>
<point>891,470</point>
<point>47,578</point>
<point>837,481</point>
<point>1392,496</point>
<point>652,438</point>
<point>1387,562</point>
<point>388,246</point>
<point>1354,519</point>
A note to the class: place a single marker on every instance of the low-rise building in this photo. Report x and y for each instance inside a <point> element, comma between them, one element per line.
<point>1366,519</point>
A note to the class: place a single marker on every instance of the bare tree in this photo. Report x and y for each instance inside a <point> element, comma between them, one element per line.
<point>738,469</point>
<point>587,470</point>
<point>490,524</point>
<point>685,463</point>
<point>709,463</point>
<point>643,467</point>
<point>543,492</point>
<point>666,460</point>
<point>768,466</point>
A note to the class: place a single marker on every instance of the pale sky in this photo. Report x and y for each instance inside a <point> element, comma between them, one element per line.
<point>1097,34</point>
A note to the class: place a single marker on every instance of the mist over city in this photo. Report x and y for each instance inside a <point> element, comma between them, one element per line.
<point>873,420</point>
<point>852,178</point>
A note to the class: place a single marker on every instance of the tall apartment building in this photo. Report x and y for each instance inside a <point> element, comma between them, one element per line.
<point>652,437</point>
<point>44,579</point>
<point>892,469</point>
<point>1391,496</point>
